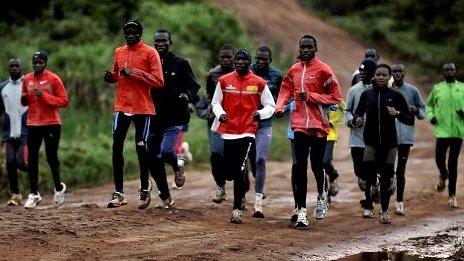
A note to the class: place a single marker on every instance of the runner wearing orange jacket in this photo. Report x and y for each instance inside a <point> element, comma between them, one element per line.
<point>44,93</point>
<point>136,69</point>
<point>314,87</point>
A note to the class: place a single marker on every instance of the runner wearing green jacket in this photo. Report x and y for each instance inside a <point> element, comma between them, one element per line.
<point>445,110</point>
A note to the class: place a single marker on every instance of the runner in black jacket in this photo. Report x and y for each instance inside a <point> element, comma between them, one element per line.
<point>382,106</point>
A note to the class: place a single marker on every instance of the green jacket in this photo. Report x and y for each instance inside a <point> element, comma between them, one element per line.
<point>442,103</point>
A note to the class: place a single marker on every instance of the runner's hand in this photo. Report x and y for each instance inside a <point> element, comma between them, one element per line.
<point>125,71</point>
<point>38,92</point>
<point>279,114</point>
<point>359,122</point>
<point>433,121</point>
<point>392,111</point>
<point>256,116</point>
<point>302,96</point>
<point>414,110</point>
<point>223,118</point>
<point>108,76</point>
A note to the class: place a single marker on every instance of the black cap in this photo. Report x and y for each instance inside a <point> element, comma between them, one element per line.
<point>133,24</point>
<point>41,55</point>
<point>244,52</point>
<point>368,65</point>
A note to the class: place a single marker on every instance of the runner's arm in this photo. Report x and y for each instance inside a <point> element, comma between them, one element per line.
<point>268,104</point>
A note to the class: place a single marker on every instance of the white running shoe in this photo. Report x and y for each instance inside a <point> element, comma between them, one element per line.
<point>294,215</point>
<point>302,220</point>
<point>399,208</point>
<point>32,200</point>
<point>258,206</point>
<point>15,200</point>
<point>368,213</point>
<point>220,195</point>
<point>58,198</point>
<point>117,199</point>
<point>236,216</point>
<point>453,202</point>
<point>384,217</point>
<point>321,207</point>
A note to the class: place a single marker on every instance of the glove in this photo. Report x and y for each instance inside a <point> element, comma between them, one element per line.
<point>279,114</point>
<point>256,116</point>
<point>222,118</point>
<point>460,113</point>
<point>433,121</point>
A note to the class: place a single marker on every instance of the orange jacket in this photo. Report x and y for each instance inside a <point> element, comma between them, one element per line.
<point>318,81</point>
<point>43,110</point>
<point>133,91</point>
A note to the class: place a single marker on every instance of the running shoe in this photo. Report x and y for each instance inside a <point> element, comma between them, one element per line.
<point>58,198</point>
<point>321,207</point>
<point>15,200</point>
<point>144,199</point>
<point>368,213</point>
<point>294,215</point>
<point>220,195</point>
<point>32,201</point>
<point>302,220</point>
<point>117,199</point>
<point>399,208</point>
<point>384,217</point>
<point>453,202</point>
<point>441,185</point>
<point>236,216</point>
<point>259,213</point>
<point>166,203</point>
<point>179,177</point>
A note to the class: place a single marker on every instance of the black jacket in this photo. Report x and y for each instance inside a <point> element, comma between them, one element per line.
<point>380,127</point>
<point>171,110</point>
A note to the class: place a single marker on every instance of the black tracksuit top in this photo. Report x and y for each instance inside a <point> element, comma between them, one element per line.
<point>380,128</point>
<point>178,78</point>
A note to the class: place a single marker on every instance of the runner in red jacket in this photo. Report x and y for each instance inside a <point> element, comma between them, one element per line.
<point>136,69</point>
<point>236,102</point>
<point>313,85</point>
<point>44,93</point>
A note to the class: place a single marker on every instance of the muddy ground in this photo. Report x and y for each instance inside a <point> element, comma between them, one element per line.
<point>197,229</point>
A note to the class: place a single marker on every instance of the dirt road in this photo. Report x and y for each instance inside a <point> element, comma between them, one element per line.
<point>199,229</point>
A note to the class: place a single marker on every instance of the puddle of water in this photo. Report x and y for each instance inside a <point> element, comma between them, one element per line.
<point>390,256</point>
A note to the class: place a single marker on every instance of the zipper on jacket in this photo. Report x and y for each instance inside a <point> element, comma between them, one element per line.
<point>130,93</point>
<point>302,90</point>
<point>378,114</point>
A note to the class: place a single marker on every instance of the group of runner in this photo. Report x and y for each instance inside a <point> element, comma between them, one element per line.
<point>157,91</point>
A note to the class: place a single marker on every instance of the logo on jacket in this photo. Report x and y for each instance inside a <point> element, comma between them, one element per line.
<point>230,87</point>
<point>43,82</point>
<point>251,88</point>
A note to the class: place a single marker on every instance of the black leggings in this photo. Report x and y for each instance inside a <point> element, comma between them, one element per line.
<point>51,135</point>
<point>403,154</point>
<point>382,160</point>
<point>454,145</point>
<point>357,154</point>
<point>16,158</point>
<point>121,124</point>
<point>235,156</point>
<point>301,145</point>
<point>156,162</point>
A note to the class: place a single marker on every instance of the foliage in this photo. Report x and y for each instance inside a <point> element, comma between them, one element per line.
<point>424,34</point>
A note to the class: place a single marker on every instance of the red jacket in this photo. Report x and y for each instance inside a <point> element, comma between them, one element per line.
<point>239,97</point>
<point>321,86</point>
<point>133,91</point>
<point>43,110</point>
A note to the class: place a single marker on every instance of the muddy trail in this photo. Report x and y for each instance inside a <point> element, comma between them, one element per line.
<point>197,229</point>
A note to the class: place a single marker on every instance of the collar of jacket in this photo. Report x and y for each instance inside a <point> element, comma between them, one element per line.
<point>244,76</point>
<point>19,79</point>
<point>309,62</point>
<point>135,46</point>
